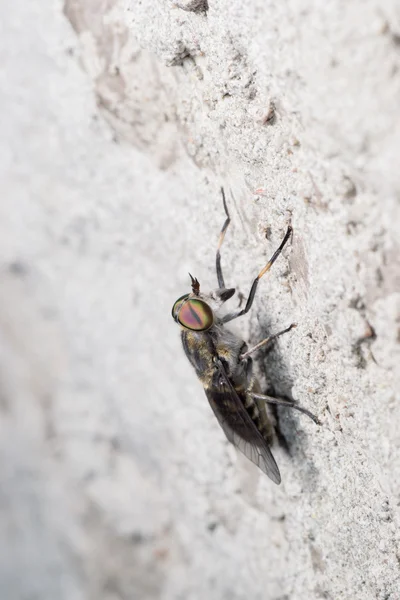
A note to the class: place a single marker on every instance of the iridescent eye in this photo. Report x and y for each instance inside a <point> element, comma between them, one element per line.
<point>177,305</point>
<point>196,315</point>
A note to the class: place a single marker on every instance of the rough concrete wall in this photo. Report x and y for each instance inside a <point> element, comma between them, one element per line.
<point>119,124</point>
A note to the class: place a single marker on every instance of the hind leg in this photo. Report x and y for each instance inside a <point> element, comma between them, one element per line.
<point>283,402</point>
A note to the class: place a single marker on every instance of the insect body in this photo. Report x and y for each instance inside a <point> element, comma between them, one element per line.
<point>223,364</point>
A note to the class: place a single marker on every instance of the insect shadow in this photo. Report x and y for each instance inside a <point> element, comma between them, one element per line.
<point>224,365</point>
<point>279,383</point>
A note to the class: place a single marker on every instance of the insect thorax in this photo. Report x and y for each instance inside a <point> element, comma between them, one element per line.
<point>202,348</point>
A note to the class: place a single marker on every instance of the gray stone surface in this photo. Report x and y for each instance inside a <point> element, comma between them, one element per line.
<point>119,123</point>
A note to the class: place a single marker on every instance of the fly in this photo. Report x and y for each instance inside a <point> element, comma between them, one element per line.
<point>223,363</point>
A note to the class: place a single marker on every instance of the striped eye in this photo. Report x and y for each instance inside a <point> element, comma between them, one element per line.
<point>178,304</point>
<point>194,314</point>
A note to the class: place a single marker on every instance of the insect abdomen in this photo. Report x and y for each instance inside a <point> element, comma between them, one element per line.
<point>259,416</point>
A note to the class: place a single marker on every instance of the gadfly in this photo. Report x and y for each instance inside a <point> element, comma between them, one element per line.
<point>223,363</point>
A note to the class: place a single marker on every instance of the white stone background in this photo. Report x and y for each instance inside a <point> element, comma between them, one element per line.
<point>119,122</point>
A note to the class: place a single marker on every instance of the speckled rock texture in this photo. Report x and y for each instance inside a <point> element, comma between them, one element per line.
<point>119,123</point>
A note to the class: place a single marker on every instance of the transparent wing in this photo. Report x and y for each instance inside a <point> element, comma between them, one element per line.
<point>238,425</point>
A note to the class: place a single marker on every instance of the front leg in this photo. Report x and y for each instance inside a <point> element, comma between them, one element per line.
<point>220,277</point>
<point>253,289</point>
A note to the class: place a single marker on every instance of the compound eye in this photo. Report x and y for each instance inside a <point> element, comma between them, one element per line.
<point>196,315</point>
<point>177,305</point>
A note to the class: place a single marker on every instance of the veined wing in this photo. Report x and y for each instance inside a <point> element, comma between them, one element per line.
<point>238,425</point>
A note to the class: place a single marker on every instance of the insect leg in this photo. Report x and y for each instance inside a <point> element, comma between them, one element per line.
<point>253,288</point>
<point>221,282</point>
<point>271,400</point>
<point>267,340</point>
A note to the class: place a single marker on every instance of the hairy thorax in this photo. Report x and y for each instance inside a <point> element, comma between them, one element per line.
<point>202,348</point>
